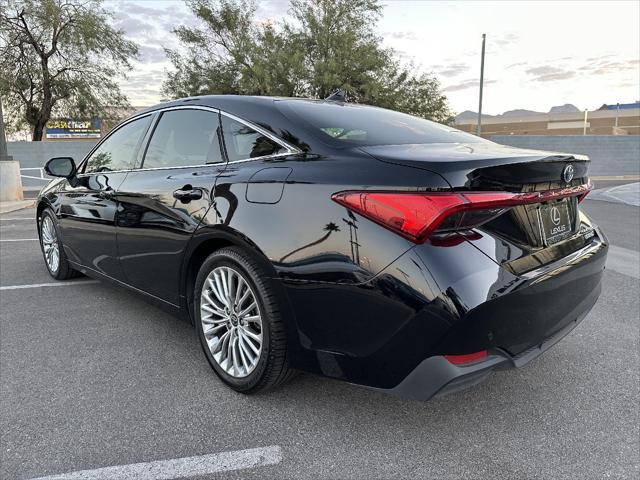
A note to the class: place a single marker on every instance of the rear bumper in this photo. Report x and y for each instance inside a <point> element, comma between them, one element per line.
<point>435,376</point>
<point>392,332</point>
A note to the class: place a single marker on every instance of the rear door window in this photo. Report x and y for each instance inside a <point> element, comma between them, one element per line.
<point>243,142</point>
<point>184,138</point>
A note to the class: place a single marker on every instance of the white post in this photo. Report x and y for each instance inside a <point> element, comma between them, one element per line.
<point>10,181</point>
<point>586,113</point>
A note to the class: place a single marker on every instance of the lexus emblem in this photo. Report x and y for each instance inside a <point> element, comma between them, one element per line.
<point>567,173</point>
<point>555,215</point>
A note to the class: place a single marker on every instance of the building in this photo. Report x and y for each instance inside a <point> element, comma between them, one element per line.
<point>65,129</point>
<point>620,119</point>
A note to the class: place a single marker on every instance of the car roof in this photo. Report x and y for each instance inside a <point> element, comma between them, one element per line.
<point>216,101</point>
<point>257,110</point>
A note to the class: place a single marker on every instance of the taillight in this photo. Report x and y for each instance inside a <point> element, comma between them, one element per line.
<point>468,358</point>
<point>417,216</point>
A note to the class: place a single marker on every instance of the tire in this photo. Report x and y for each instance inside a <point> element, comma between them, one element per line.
<point>55,259</point>
<point>228,332</point>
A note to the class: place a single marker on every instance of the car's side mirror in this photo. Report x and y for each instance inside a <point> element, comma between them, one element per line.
<point>61,167</point>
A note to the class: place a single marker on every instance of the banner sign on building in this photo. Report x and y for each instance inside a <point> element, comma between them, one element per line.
<point>70,128</point>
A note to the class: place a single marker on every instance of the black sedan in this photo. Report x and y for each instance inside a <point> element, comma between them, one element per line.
<point>346,240</point>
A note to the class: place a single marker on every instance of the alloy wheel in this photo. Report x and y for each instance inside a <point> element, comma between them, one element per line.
<point>50,245</point>
<point>231,321</point>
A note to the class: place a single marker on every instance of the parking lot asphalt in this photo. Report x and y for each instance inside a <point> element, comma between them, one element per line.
<point>92,376</point>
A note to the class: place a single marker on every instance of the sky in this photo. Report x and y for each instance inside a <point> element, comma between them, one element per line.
<point>538,54</point>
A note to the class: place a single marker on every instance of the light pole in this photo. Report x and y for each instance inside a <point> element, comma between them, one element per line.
<point>478,126</point>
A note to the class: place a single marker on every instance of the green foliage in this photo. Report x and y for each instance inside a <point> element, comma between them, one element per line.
<point>328,44</point>
<point>60,57</point>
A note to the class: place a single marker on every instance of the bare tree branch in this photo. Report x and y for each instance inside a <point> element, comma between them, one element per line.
<point>60,58</point>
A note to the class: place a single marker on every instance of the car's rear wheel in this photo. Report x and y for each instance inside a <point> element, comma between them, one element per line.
<point>54,257</point>
<point>239,322</point>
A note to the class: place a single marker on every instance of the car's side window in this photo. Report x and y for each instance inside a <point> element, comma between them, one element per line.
<point>184,138</point>
<point>117,152</point>
<point>243,142</point>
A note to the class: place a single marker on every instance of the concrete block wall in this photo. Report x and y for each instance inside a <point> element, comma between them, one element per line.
<point>610,154</point>
<point>36,154</point>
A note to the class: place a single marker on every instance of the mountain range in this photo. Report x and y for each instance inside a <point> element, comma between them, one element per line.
<point>519,112</point>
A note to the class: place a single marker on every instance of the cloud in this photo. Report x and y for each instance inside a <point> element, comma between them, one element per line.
<point>471,83</point>
<point>597,66</point>
<point>602,65</point>
<point>147,78</point>
<point>403,54</point>
<point>150,22</point>
<point>151,54</point>
<point>543,70</point>
<point>601,57</point>
<point>272,9</point>
<point>550,77</point>
<point>616,67</point>
<point>504,40</point>
<point>402,35</point>
<point>627,84</point>
<point>150,26</point>
<point>143,86</point>
<point>452,70</point>
<point>133,26</point>
<point>144,10</point>
<point>548,73</point>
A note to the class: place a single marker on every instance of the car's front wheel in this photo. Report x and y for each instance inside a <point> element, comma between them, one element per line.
<point>239,322</point>
<point>54,257</point>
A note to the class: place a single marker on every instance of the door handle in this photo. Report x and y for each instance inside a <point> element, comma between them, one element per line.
<point>187,193</point>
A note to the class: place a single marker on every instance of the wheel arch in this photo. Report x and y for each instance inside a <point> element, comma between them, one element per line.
<point>206,241</point>
<point>40,207</point>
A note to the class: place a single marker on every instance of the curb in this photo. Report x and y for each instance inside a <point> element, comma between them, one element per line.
<point>6,207</point>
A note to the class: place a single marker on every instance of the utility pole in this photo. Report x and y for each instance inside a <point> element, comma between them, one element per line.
<point>478,126</point>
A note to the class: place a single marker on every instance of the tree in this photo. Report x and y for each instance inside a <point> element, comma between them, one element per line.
<point>328,44</point>
<point>60,57</point>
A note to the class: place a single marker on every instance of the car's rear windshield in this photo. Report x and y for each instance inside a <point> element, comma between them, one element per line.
<point>352,124</point>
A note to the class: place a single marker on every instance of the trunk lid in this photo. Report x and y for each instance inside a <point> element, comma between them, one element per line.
<point>533,229</point>
<point>484,166</point>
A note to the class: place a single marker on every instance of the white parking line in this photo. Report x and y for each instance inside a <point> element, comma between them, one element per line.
<point>57,284</point>
<point>628,193</point>
<point>18,218</point>
<point>19,240</point>
<point>180,467</point>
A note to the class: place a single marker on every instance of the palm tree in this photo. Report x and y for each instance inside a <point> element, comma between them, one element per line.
<point>329,228</point>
